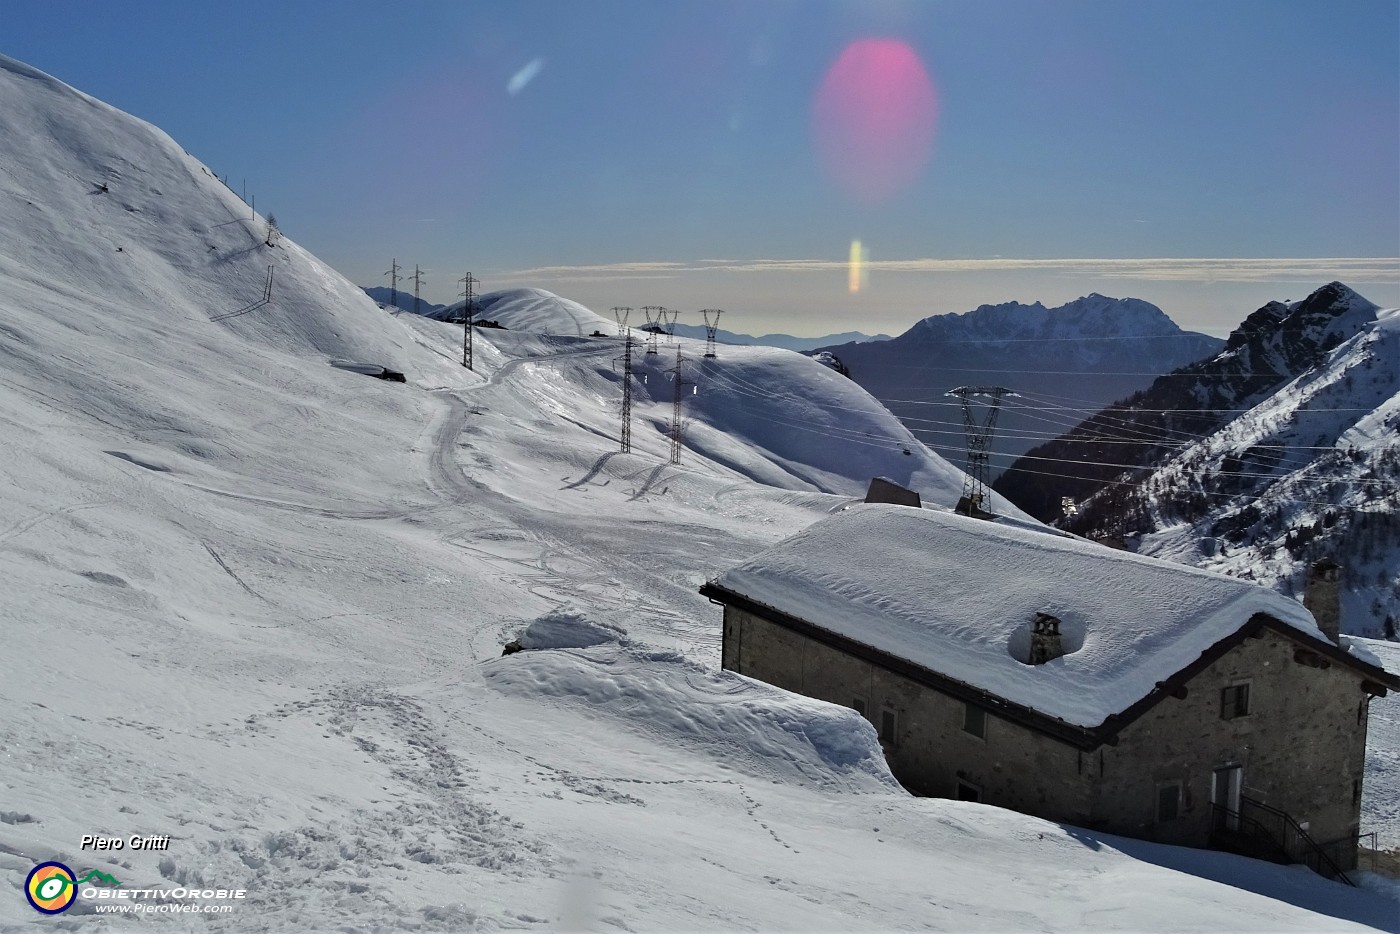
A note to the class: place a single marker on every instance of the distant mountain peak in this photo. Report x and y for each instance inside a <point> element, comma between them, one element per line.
<point>1093,315</point>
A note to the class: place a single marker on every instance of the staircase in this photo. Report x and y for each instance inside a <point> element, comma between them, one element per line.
<point>1263,832</point>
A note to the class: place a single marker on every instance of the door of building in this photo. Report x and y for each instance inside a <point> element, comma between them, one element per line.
<point>1225,794</point>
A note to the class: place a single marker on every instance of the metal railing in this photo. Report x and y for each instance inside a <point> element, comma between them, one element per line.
<point>1361,844</point>
<point>1273,834</point>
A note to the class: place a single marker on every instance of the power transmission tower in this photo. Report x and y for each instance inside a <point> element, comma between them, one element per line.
<point>654,314</point>
<point>393,275</point>
<point>621,315</point>
<point>668,318</point>
<point>468,317</point>
<point>711,327</point>
<point>626,393</point>
<point>677,381</point>
<point>417,283</point>
<point>979,441</point>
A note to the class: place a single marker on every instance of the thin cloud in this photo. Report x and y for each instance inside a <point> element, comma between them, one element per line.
<point>601,271</point>
<point>524,76</point>
<point>1194,269</point>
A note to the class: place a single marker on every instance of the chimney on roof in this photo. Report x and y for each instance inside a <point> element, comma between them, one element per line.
<point>1045,639</point>
<point>1322,597</point>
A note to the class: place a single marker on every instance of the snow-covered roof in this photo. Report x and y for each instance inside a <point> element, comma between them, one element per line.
<point>957,596</point>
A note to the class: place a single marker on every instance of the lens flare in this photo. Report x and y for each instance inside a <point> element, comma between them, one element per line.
<point>873,118</point>
<point>857,267</point>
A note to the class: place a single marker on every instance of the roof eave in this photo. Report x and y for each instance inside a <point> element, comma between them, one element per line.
<point>1080,737</point>
<point>1086,738</point>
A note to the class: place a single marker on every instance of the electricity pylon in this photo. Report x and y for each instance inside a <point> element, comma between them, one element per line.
<point>626,447</point>
<point>979,441</point>
<point>417,284</point>
<point>677,381</point>
<point>654,315</point>
<point>621,314</point>
<point>393,275</point>
<point>711,327</point>
<point>468,315</point>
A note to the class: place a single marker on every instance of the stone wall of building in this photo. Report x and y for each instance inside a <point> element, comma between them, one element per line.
<point>1301,745</point>
<point>1301,748</point>
<point>930,752</point>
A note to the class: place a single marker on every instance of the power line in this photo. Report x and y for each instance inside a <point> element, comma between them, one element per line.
<point>1008,371</point>
<point>1129,483</point>
<point>869,438</point>
<point>1045,436</point>
<point>1182,439</point>
<point>1108,405</point>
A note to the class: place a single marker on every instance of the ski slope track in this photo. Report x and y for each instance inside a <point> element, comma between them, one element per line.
<point>257,603</point>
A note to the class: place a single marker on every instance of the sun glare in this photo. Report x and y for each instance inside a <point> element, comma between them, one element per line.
<point>857,267</point>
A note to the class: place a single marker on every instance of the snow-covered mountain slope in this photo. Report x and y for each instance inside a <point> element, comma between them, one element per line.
<point>533,310</point>
<point>1275,344</point>
<point>257,603</point>
<point>1090,351</point>
<point>1309,472</point>
<point>755,412</point>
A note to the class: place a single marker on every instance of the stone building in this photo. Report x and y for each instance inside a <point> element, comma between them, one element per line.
<point>1018,667</point>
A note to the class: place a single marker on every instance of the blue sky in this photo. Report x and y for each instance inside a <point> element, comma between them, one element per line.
<point>726,154</point>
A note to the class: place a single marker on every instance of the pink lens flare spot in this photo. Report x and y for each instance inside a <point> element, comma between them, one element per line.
<point>873,118</point>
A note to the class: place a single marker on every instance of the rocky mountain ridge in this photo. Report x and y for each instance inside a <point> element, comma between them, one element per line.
<point>1273,345</point>
<point>1087,352</point>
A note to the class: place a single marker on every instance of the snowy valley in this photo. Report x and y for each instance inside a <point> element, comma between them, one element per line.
<point>256,602</point>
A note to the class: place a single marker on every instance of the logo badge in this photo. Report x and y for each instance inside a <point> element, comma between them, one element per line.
<point>51,888</point>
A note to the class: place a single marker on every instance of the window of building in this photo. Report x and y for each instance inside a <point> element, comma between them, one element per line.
<point>887,726</point>
<point>1168,801</point>
<point>1234,701</point>
<point>974,721</point>
<point>968,792</point>
<point>858,705</point>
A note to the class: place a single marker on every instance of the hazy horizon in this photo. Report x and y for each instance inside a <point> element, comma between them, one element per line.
<point>1205,157</point>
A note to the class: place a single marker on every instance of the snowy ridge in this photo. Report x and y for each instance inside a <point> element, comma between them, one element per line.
<point>1274,345</point>
<point>932,587</point>
<point>1309,472</point>
<point>533,310</point>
